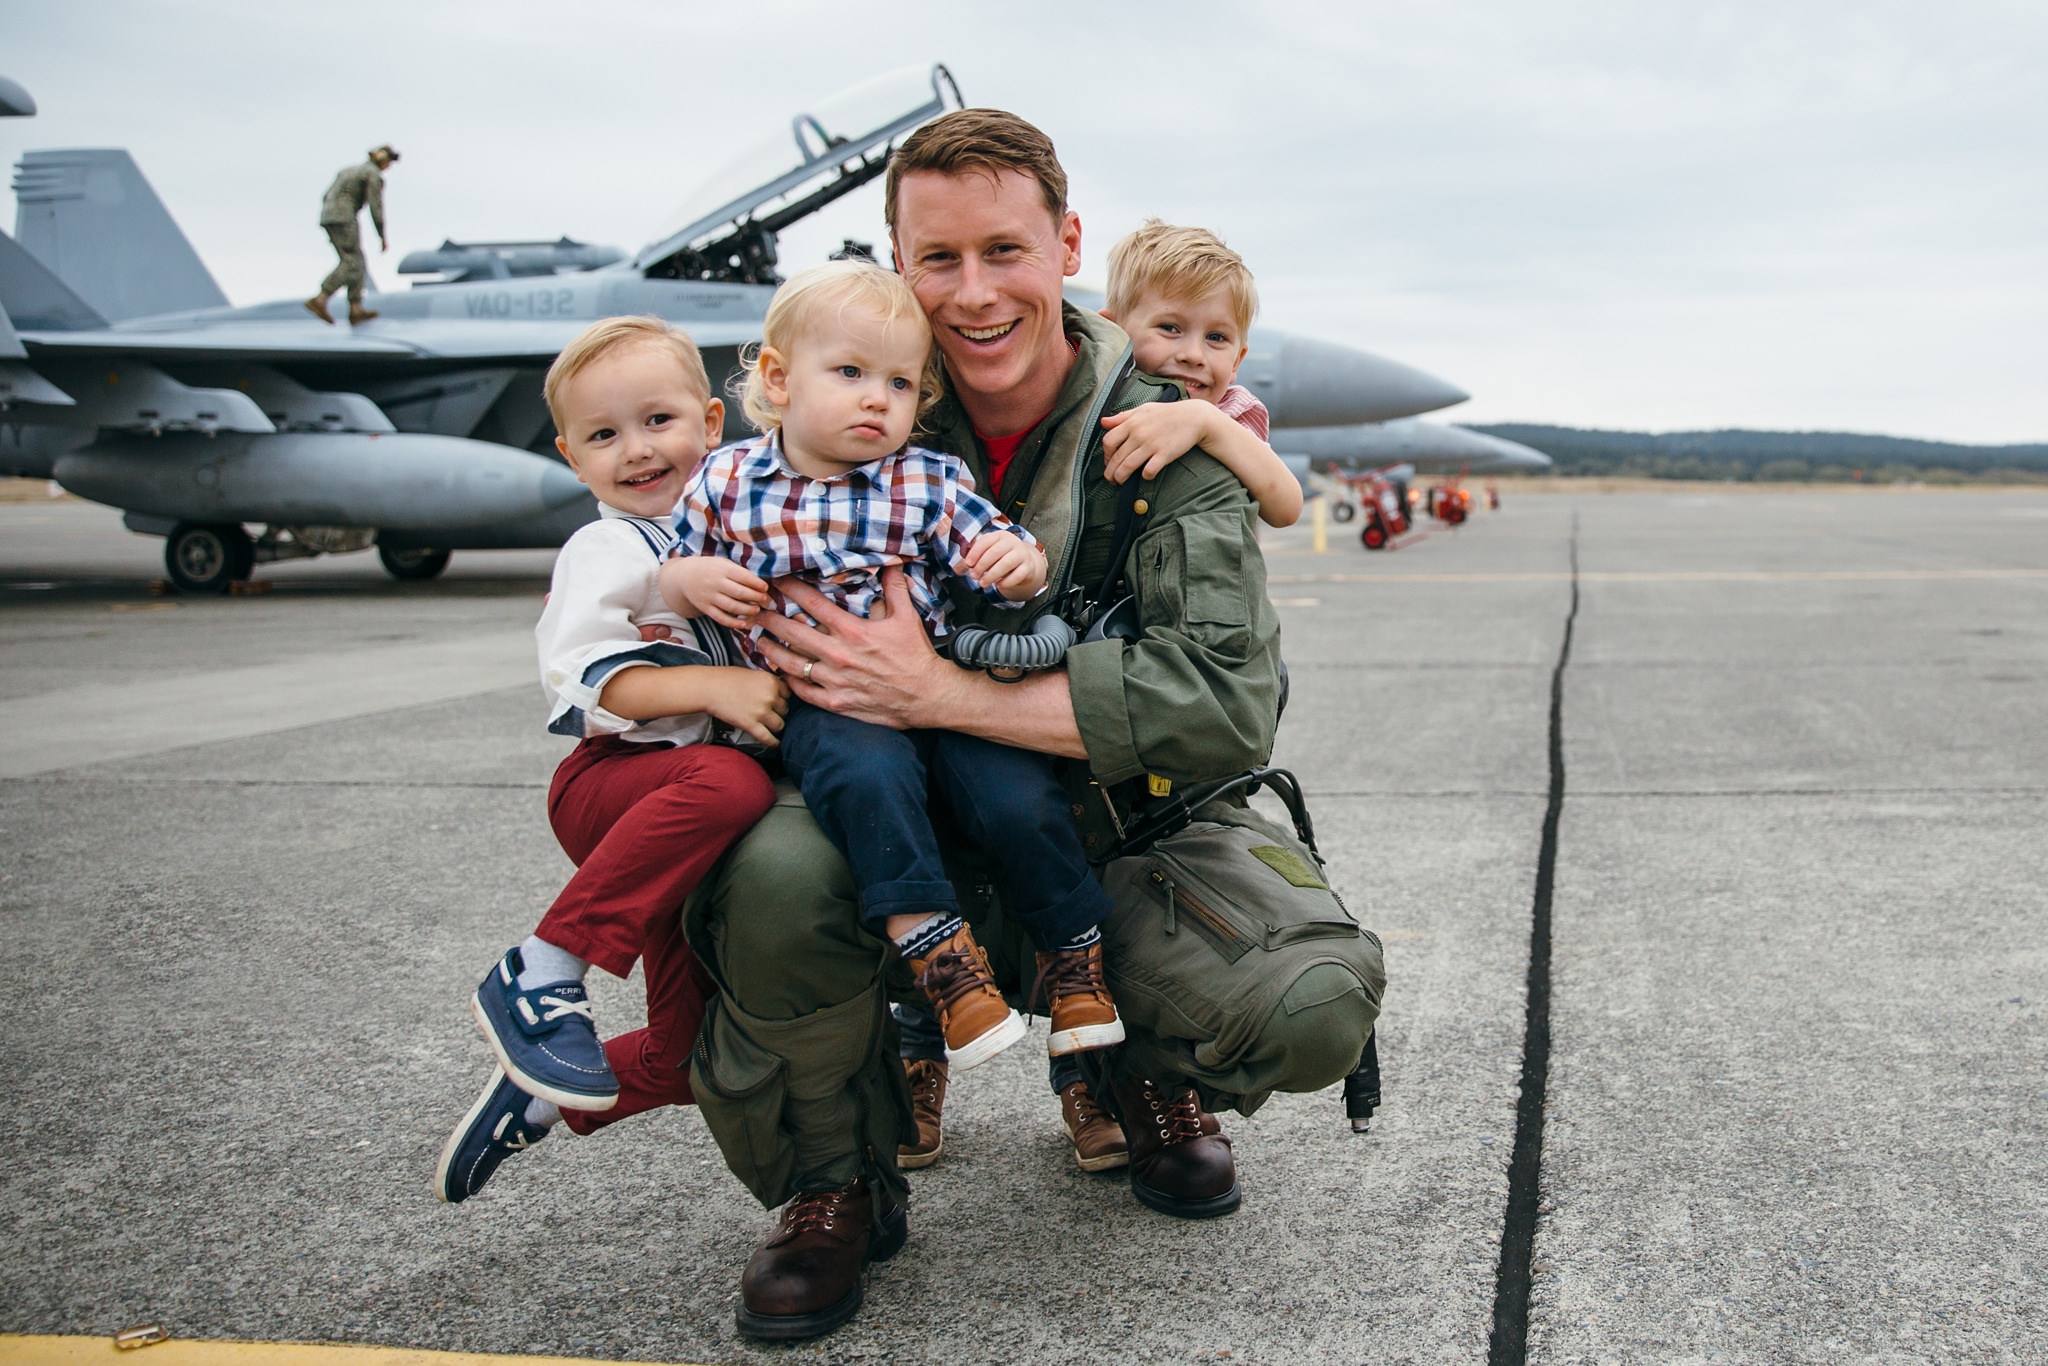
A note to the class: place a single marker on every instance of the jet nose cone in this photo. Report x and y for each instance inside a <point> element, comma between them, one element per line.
<point>15,103</point>
<point>1507,457</point>
<point>1310,383</point>
<point>559,487</point>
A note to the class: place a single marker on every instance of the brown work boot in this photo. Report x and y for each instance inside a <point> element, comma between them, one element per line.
<point>1083,1016</point>
<point>806,1279</point>
<point>358,314</point>
<point>1098,1142</point>
<point>317,306</point>
<point>927,1078</point>
<point>1181,1163</point>
<point>977,1022</point>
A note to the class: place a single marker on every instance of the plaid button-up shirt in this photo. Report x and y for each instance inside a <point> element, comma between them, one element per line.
<point>916,508</point>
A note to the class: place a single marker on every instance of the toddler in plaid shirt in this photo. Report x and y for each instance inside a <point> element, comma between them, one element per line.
<point>1187,301</point>
<point>833,493</point>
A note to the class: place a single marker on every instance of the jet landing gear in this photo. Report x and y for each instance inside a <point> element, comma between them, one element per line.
<point>208,557</point>
<point>413,564</point>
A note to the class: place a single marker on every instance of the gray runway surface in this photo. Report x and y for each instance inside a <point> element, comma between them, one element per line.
<point>255,852</point>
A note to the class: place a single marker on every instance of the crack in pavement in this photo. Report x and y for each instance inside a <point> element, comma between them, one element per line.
<point>1509,1343</point>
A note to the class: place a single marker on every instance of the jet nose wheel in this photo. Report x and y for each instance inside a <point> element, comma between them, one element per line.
<point>413,564</point>
<point>1342,512</point>
<point>207,557</point>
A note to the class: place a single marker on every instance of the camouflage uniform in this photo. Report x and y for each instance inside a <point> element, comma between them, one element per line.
<point>352,189</point>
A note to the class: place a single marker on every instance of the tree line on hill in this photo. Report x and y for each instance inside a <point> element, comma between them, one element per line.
<point>1828,457</point>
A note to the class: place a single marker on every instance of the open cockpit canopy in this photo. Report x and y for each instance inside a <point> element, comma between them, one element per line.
<point>727,229</point>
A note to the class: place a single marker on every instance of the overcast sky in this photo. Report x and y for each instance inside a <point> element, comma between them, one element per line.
<point>1606,213</point>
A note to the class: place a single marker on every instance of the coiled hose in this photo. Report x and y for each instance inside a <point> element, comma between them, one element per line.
<point>977,647</point>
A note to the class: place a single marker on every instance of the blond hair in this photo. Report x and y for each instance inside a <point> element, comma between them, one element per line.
<point>817,298</point>
<point>1180,264</point>
<point>611,335</point>
<point>983,141</point>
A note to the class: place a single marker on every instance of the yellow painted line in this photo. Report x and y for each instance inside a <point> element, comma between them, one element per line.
<point>26,1350</point>
<point>1685,576</point>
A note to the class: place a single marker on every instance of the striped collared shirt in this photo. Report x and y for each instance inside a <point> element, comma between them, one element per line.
<point>916,508</point>
<point>604,613</point>
<point>1242,406</point>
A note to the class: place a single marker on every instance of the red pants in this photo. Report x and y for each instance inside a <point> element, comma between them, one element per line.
<point>644,824</point>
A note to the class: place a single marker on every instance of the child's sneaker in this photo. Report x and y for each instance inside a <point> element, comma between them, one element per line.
<point>1083,1015</point>
<point>493,1130</point>
<point>977,1022</point>
<point>544,1038</point>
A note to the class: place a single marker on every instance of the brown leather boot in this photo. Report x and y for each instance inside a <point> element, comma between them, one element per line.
<point>1098,1142</point>
<point>317,306</point>
<point>806,1279</point>
<point>358,314</point>
<point>1083,1016</point>
<point>977,1022</point>
<point>1181,1163</point>
<point>927,1078</point>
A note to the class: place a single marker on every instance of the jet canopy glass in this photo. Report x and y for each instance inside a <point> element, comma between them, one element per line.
<point>727,229</point>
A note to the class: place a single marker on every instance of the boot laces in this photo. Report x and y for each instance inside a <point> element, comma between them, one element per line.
<point>1179,1119</point>
<point>1067,974</point>
<point>1086,1111</point>
<point>815,1211</point>
<point>952,974</point>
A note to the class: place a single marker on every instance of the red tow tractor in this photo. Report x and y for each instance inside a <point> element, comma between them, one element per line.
<point>1382,499</point>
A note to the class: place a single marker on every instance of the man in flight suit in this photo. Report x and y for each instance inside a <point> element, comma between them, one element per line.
<point>354,188</point>
<point>796,1073</point>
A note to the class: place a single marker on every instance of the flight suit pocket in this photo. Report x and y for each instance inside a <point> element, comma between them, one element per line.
<point>1212,563</point>
<point>741,1089</point>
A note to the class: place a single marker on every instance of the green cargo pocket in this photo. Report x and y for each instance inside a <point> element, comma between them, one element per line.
<point>1212,554</point>
<point>1227,885</point>
<point>1219,927</point>
<point>740,1088</point>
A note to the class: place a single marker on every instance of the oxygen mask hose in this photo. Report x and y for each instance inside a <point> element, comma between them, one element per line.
<point>1008,658</point>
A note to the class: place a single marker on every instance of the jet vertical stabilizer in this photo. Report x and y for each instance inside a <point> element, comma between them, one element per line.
<point>91,217</point>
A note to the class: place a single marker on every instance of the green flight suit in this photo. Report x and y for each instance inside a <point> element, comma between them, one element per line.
<point>354,189</point>
<point>796,1071</point>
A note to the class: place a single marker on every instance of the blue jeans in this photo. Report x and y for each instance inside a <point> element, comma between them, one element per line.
<point>868,788</point>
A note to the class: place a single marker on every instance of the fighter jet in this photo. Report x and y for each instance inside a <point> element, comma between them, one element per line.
<point>1425,447</point>
<point>127,377</point>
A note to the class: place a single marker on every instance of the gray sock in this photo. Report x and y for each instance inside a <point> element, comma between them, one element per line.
<point>544,963</point>
<point>544,1113</point>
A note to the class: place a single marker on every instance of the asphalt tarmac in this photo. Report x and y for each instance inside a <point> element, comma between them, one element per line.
<point>255,852</point>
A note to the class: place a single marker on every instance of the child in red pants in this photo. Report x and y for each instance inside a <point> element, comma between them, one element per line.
<point>655,793</point>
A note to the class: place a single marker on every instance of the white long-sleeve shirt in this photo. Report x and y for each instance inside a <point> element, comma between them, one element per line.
<point>604,591</point>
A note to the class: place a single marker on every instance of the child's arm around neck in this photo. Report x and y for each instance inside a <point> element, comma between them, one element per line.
<point>1144,440</point>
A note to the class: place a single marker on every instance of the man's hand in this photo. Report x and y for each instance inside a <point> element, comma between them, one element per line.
<point>1152,436</point>
<point>880,669</point>
<point>1006,562</point>
<point>755,702</point>
<point>715,587</point>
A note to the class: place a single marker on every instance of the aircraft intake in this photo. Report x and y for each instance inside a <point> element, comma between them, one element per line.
<point>396,480</point>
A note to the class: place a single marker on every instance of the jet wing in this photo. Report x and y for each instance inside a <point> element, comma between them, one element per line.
<point>218,341</point>
<point>411,339</point>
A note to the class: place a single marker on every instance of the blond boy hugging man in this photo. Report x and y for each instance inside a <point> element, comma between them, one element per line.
<point>1188,301</point>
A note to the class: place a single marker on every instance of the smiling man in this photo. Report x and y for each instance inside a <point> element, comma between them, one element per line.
<point>797,1074</point>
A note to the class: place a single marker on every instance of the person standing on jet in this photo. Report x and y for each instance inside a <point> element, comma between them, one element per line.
<point>354,188</point>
